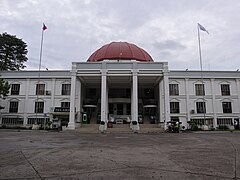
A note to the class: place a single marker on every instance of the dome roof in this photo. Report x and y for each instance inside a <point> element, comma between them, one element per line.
<point>120,51</point>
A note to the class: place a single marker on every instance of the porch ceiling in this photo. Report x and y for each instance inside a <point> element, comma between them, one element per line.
<point>122,81</point>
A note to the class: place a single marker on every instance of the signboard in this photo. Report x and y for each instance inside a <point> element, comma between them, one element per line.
<point>61,109</point>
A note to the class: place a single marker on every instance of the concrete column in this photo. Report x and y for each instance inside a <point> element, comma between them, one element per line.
<point>160,106</point>
<point>187,100</point>
<point>53,92</point>
<point>71,124</point>
<point>213,104</point>
<point>103,96</point>
<point>135,97</point>
<point>238,92</point>
<point>79,101</point>
<point>107,101</point>
<point>25,118</point>
<point>166,99</point>
<point>132,102</point>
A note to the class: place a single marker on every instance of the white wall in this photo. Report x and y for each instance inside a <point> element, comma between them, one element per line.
<point>234,97</point>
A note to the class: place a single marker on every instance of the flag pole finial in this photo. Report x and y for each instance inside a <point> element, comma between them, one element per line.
<point>44,27</point>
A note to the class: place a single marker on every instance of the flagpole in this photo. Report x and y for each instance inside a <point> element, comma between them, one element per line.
<point>39,75</point>
<point>201,66</point>
<point>40,59</point>
<point>199,49</point>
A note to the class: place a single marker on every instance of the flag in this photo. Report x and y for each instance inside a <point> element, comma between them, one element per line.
<point>202,28</point>
<point>44,27</point>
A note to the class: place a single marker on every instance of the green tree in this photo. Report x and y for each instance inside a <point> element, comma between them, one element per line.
<point>13,52</point>
<point>4,88</point>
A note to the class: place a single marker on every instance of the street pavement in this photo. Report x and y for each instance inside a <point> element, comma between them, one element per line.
<point>72,155</point>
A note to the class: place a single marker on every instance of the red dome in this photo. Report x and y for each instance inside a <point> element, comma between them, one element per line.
<point>120,51</point>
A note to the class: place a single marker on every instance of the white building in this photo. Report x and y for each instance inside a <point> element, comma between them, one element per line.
<point>121,83</point>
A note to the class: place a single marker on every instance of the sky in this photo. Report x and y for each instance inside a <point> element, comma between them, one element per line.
<point>166,29</point>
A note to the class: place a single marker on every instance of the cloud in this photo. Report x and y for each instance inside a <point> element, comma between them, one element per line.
<point>168,45</point>
<point>165,29</point>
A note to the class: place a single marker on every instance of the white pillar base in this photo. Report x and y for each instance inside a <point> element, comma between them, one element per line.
<point>165,126</point>
<point>71,126</point>
<point>136,128</point>
<point>102,128</point>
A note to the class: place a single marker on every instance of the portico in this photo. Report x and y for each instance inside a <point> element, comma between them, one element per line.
<point>119,90</point>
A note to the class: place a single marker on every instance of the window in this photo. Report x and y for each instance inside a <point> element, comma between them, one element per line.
<point>225,89</point>
<point>227,107</point>
<point>201,107</point>
<point>65,104</point>
<point>224,121</point>
<point>12,121</point>
<point>40,89</point>
<point>15,88</point>
<point>66,89</point>
<point>173,90</point>
<point>39,107</point>
<point>13,108</point>
<point>199,88</point>
<point>201,121</point>
<point>119,109</point>
<point>174,107</point>
<point>38,120</point>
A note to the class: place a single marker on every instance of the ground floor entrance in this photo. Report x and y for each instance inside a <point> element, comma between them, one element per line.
<point>119,111</point>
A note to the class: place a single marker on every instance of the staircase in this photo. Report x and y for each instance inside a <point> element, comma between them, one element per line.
<point>150,129</point>
<point>120,128</point>
<point>88,128</point>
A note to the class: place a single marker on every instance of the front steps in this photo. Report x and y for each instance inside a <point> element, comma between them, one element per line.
<point>88,128</point>
<point>120,128</point>
<point>150,129</point>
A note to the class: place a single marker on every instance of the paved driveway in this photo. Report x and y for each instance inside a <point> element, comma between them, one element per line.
<point>69,155</point>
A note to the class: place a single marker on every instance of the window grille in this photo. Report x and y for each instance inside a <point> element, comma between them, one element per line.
<point>40,89</point>
<point>65,104</point>
<point>174,107</point>
<point>225,89</point>
<point>39,107</point>
<point>12,121</point>
<point>173,90</point>
<point>66,89</point>
<point>224,121</point>
<point>15,89</point>
<point>227,107</point>
<point>201,107</point>
<point>13,107</point>
<point>199,88</point>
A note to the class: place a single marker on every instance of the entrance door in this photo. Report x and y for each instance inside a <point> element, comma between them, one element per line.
<point>119,109</point>
<point>236,123</point>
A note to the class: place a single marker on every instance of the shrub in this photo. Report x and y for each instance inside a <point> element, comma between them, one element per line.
<point>193,126</point>
<point>223,127</point>
<point>4,126</point>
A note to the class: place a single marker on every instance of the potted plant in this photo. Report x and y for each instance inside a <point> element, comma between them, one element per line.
<point>64,125</point>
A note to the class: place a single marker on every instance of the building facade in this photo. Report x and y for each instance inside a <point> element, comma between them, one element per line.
<point>120,83</point>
